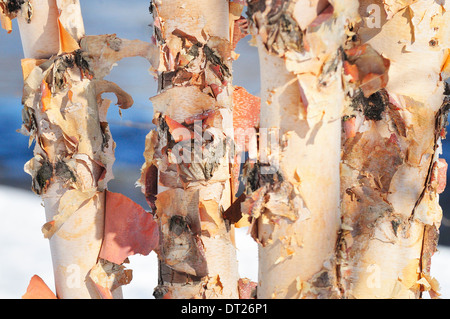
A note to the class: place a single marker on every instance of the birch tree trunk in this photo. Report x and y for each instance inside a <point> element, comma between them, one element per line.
<point>64,113</point>
<point>293,196</point>
<point>187,158</point>
<point>66,179</point>
<point>343,199</point>
<point>394,118</point>
<point>391,171</point>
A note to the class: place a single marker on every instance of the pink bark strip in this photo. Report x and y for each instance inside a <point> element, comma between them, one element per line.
<point>129,229</point>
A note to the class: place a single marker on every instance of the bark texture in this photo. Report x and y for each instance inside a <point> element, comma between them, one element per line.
<point>186,176</point>
<point>391,171</point>
<point>65,115</point>
<point>343,196</point>
<point>293,196</point>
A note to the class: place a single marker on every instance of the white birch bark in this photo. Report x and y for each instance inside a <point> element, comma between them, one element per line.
<point>197,257</point>
<point>75,245</point>
<point>391,172</point>
<point>295,209</point>
<point>74,152</point>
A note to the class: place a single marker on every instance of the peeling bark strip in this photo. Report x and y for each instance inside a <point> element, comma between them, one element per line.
<point>65,115</point>
<point>294,210</point>
<point>10,9</point>
<point>129,229</point>
<point>189,150</point>
<point>37,289</point>
<point>390,160</point>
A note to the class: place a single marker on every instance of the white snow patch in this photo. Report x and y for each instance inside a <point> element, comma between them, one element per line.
<point>25,252</point>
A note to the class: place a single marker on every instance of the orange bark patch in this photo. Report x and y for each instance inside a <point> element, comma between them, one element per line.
<point>442,176</point>
<point>371,68</point>
<point>439,175</point>
<point>352,70</point>
<point>357,50</point>
<point>104,292</point>
<point>207,116</point>
<point>372,83</point>
<point>246,108</point>
<point>67,43</point>
<point>326,14</point>
<point>5,21</point>
<point>179,132</point>
<point>129,229</point>
<point>445,70</point>
<point>239,30</point>
<point>247,288</point>
<point>350,127</point>
<point>46,96</point>
<point>70,95</point>
<point>37,289</point>
<point>28,65</point>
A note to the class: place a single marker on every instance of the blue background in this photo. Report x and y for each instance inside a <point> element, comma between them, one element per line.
<point>130,20</point>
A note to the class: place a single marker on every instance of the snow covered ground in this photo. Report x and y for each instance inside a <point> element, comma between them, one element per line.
<point>24,252</point>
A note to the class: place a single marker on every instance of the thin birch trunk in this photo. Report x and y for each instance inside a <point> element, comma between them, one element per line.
<point>74,152</point>
<point>74,242</point>
<point>293,196</point>
<point>186,177</point>
<point>391,171</point>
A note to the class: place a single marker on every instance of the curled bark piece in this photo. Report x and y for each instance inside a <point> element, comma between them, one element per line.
<point>37,289</point>
<point>66,42</point>
<point>441,167</point>
<point>174,126</point>
<point>102,51</point>
<point>8,11</point>
<point>371,74</point>
<point>393,7</point>
<point>191,101</point>
<point>129,229</point>
<point>108,276</point>
<point>124,100</point>
<point>307,11</point>
<point>149,171</point>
